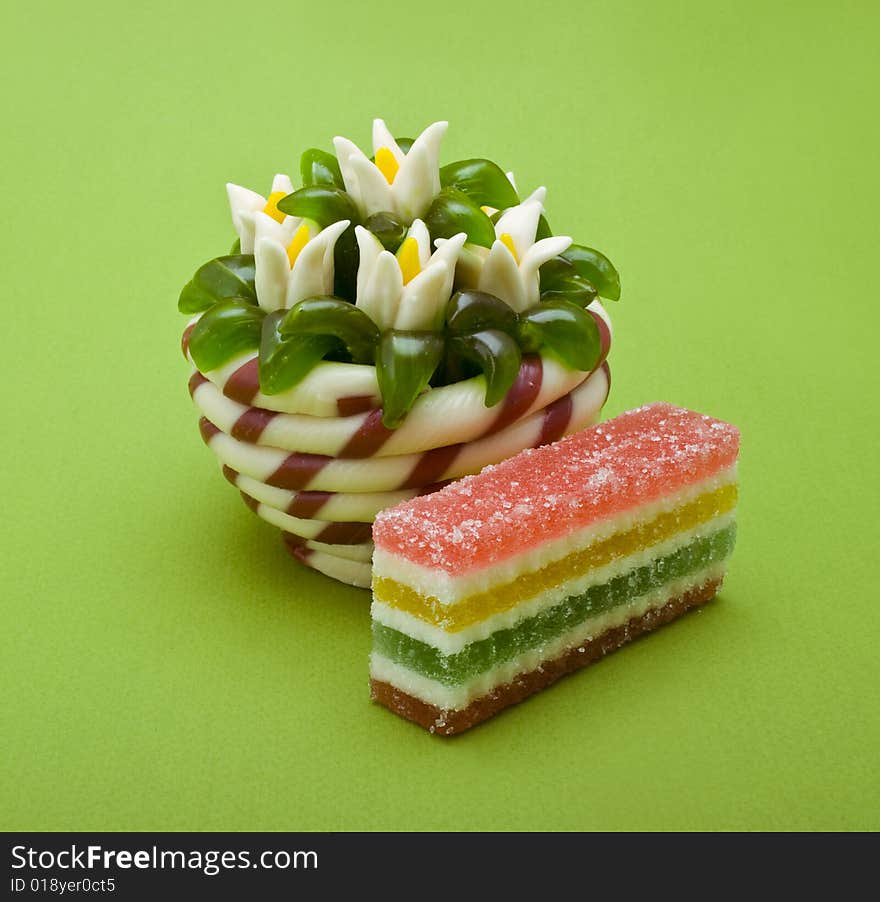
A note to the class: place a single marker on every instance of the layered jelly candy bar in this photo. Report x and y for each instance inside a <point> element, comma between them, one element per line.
<point>494,587</point>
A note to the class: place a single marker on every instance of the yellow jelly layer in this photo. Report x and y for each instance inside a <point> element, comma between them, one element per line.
<point>527,585</point>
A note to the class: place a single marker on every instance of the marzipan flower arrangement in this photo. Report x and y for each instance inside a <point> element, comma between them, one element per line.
<point>389,326</point>
<point>431,274</point>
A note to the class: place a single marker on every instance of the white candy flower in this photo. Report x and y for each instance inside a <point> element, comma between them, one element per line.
<point>245,204</point>
<point>408,290</point>
<point>509,270</point>
<point>398,182</point>
<point>293,259</point>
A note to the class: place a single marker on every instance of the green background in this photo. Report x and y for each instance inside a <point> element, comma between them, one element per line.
<point>166,665</point>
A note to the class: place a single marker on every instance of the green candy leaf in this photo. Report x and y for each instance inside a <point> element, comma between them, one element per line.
<point>543,230</point>
<point>473,311</point>
<point>318,167</point>
<point>285,362</point>
<point>342,321</point>
<point>405,362</point>
<point>320,203</point>
<point>219,280</point>
<point>498,356</point>
<point>483,181</point>
<point>388,228</point>
<point>596,268</point>
<point>583,294</point>
<point>235,250</point>
<point>452,212</point>
<point>563,329</point>
<point>346,258</point>
<point>560,280</point>
<point>228,329</point>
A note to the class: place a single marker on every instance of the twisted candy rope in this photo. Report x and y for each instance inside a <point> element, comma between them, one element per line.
<point>331,507</point>
<point>355,573</point>
<point>316,530</point>
<point>296,471</point>
<point>441,419</point>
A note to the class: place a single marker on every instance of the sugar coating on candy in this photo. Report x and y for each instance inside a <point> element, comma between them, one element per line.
<point>545,493</point>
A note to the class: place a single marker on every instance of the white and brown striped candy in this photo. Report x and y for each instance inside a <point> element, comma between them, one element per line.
<point>296,471</point>
<point>330,507</point>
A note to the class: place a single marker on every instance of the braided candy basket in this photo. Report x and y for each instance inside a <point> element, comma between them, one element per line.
<point>308,434</point>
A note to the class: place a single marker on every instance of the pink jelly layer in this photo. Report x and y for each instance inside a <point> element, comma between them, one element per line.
<point>545,493</point>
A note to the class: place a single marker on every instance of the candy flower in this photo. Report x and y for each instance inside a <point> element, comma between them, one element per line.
<point>407,290</point>
<point>509,269</point>
<point>293,259</point>
<point>245,204</point>
<point>399,181</point>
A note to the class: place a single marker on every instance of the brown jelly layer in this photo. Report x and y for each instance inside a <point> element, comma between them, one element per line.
<point>450,722</point>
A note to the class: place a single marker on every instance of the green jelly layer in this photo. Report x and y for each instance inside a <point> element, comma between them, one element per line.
<point>505,644</point>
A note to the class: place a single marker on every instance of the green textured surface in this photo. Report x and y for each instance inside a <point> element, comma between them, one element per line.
<point>478,657</point>
<point>166,665</point>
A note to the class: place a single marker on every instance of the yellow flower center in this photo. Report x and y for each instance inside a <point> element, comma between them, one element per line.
<point>387,164</point>
<point>300,240</point>
<point>408,258</point>
<point>271,208</point>
<point>507,240</point>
